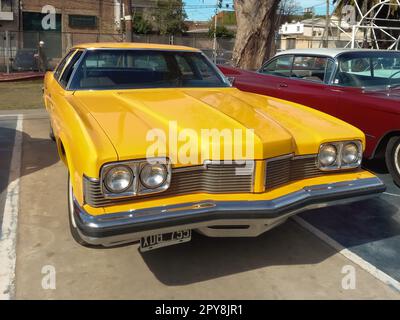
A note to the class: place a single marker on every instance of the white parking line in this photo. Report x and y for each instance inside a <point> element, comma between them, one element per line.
<point>380,275</point>
<point>392,194</point>
<point>8,235</point>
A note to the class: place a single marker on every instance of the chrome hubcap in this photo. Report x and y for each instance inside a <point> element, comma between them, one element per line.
<point>397,158</point>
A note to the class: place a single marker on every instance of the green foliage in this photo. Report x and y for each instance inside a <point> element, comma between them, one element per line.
<point>222,32</point>
<point>141,25</point>
<point>171,17</point>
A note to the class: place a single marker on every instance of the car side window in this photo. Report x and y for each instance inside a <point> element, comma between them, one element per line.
<point>311,68</point>
<point>61,65</point>
<point>195,69</point>
<point>280,66</point>
<point>66,75</point>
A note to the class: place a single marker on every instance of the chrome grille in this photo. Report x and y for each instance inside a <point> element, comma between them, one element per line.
<point>210,178</point>
<point>283,171</point>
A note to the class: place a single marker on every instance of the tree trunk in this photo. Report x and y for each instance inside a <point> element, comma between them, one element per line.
<point>255,35</point>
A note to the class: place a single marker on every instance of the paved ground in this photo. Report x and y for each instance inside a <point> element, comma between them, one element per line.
<point>287,262</point>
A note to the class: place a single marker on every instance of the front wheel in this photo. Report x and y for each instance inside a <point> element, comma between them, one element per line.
<point>72,224</point>
<point>393,158</point>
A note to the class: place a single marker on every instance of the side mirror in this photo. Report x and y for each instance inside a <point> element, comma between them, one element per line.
<point>231,80</point>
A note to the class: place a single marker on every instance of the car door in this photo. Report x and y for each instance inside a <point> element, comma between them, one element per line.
<point>272,78</point>
<point>307,83</point>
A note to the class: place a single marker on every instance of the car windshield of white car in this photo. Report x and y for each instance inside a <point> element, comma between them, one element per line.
<point>368,69</point>
<point>136,69</point>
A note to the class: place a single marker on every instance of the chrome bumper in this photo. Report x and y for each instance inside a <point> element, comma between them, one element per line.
<point>219,218</point>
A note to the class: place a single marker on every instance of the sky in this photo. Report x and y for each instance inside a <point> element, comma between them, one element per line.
<point>203,10</point>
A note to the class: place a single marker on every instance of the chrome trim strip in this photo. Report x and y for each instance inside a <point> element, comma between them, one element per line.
<point>286,156</point>
<point>211,211</point>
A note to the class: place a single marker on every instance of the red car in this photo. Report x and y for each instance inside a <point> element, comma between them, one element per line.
<point>361,87</point>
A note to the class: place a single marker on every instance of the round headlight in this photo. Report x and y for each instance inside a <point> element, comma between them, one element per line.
<point>327,155</point>
<point>153,176</point>
<point>118,179</point>
<point>350,153</point>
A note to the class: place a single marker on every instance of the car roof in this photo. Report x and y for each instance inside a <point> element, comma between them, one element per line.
<point>330,52</point>
<point>132,45</point>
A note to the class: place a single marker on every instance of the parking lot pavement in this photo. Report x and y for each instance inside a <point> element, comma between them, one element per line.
<point>370,229</point>
<point>287,262</point>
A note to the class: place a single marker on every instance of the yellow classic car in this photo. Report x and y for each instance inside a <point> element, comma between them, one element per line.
<point>157,143</point>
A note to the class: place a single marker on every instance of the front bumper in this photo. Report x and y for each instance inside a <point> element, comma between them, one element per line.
<point>219,218</point>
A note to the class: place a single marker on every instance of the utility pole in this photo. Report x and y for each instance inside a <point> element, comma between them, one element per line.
<point>215,34</point>
<point>218,5</point>
<point>327,23</point>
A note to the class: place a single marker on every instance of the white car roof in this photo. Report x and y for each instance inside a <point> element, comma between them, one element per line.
<point>330,52</point>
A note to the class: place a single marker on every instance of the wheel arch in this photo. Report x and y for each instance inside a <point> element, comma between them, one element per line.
<point>380,149</point>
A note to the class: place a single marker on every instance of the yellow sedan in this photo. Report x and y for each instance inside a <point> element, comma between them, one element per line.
<point>157,143</point>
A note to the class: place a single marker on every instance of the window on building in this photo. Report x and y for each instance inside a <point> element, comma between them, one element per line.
<point>6,5</point>
<point>81,21</point>
<point>298,28</point>
<point>290,43</point>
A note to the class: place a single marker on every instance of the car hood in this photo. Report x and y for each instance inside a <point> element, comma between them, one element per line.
<point>134,120</point>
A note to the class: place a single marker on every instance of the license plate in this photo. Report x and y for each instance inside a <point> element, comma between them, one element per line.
<point>165,239</point>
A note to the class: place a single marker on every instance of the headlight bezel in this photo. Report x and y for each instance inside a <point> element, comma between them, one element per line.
<point>339,164</point>
<point>136,188</point>
<point>358,159</point>
<point>143,189</point>
<point>328,145</point>
<point>109,170</point>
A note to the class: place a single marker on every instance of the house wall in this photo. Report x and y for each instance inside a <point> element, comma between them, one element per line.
<point>103,10</point>
<point>5,22</point>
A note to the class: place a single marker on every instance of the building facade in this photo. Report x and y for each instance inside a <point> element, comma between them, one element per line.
<point>59,24</point>
<point>9,15</point>
<point>310,33</point>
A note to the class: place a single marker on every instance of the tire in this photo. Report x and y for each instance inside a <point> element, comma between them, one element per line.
<point>72,225</point>
<point>51,134</point>
<point>392,157</point>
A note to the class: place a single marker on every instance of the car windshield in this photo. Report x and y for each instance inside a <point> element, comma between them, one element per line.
<point>136,69</point>
<point>368,69</point>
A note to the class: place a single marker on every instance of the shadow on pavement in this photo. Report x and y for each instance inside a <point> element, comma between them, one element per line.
<point>45,154</point>
<point>206,258</point>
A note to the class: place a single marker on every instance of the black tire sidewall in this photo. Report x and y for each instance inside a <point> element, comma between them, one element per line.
<point>391,154</point>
